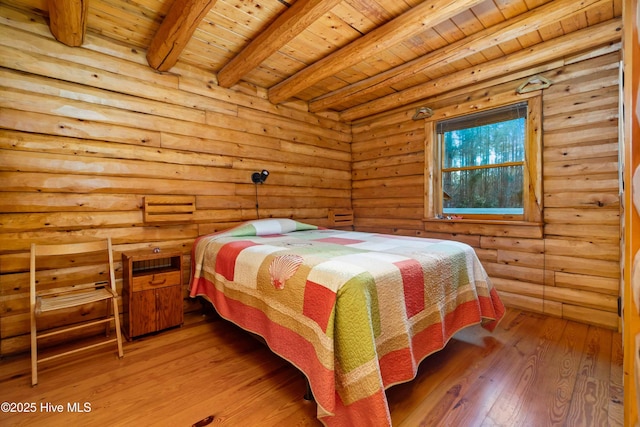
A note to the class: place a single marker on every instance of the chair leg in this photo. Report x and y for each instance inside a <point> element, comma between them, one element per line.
<point>107,329</point>
<point>34,350</point>
<point>116,321</point>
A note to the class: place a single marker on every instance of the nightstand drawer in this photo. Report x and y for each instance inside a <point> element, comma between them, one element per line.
<point>156,280</point>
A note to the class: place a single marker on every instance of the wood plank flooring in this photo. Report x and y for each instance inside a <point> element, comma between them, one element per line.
<point>531,371</point>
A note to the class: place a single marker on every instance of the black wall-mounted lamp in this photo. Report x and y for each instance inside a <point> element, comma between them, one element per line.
<point>260,177</point>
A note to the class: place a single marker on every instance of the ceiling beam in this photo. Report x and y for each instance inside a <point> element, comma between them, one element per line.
<point>175,32</point>
<point>410,23</point>
<point>284,29</point>
<point>68,20</point>
<point>499,33</point>
<point>576,42</point>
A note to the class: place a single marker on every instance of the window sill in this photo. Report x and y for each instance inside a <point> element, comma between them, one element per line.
<point>484,221</point>
<point>484,227</point>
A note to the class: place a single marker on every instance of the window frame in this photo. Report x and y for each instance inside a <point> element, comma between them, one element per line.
<point>532,184</point>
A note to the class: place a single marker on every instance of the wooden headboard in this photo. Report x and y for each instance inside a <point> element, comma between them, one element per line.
<point>169,208</point>
<point>341,218</point>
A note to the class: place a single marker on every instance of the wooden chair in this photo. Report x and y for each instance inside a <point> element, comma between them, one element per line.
<point>341,219</point>
<point>65,293</point>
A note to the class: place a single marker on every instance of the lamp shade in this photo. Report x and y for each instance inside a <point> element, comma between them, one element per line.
<point>260,177</point>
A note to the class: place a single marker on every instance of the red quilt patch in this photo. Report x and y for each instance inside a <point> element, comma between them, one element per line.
<point>318,303</point>
<point>226,259</point>
<point>340,241</point>
<point>413,284</point>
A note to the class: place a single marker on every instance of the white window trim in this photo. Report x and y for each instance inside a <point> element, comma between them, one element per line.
<point>533,154</point>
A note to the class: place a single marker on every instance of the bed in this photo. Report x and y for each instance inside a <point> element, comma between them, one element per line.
<point>355,312</point>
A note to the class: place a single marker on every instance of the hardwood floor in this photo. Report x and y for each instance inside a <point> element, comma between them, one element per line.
<point>531,371</point>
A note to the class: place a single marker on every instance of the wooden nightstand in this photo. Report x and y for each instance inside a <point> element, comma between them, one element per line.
<point>152,291</point>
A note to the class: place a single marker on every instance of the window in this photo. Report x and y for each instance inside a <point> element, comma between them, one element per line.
<point>482,162</point>
<point>485,165</point>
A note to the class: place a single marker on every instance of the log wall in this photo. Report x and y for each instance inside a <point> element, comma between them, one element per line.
<point>568,266</point>
<point>86,133</point>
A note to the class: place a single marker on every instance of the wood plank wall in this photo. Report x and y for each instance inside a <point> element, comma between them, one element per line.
<point>86,133</point>
<point>569,267</point>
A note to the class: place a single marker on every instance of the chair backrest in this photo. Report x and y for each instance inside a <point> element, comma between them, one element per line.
<point>72,252</point>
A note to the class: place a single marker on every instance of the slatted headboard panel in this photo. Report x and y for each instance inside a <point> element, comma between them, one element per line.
<point>340,218</point>
<point>169,208</point>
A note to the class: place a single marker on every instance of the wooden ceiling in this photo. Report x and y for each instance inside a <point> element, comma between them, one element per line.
<point>352,58</point>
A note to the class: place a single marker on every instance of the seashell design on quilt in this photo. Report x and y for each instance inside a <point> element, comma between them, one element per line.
<point>282,268</point>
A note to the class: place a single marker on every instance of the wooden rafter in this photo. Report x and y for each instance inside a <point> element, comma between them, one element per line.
<point>585,39</point>
<point>412,22</point>
<point>68,20</point>
<point>286,27</point>
<point>505,31</point>
<point>175,32</point>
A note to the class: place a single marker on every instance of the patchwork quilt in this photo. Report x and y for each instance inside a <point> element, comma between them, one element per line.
<point>355,312</point>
